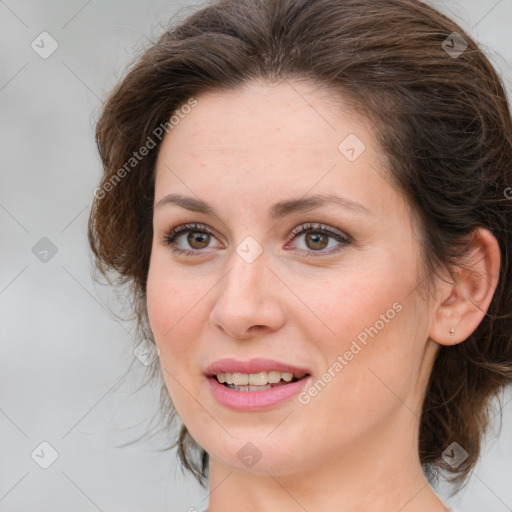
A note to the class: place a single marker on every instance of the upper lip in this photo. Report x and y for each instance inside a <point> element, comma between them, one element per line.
<point>229,365</point>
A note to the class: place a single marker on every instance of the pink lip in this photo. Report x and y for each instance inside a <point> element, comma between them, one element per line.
<point>255,400</point>
<point>229,365</point>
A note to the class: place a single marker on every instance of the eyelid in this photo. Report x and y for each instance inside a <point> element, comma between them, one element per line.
<point>342,238</point>
<point>170,236</point>
<point>315,226</point>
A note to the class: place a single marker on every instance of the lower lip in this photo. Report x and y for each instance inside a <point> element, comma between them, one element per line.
<point>255,400</point>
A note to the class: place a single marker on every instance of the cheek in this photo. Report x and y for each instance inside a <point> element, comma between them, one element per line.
<point>169,296</point>
<point>174,324</point>
<point>161,303</point>
<point>172,308</point>
<point>380,332</point>
<point>354,304</point>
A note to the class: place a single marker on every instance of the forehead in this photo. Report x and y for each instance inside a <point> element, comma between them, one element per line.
<point>265,140</point>
<point>270,114</point>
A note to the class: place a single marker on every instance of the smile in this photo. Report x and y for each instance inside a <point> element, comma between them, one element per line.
<point>256,381</point>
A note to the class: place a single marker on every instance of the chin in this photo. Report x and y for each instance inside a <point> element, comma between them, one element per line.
<point>256,452</point>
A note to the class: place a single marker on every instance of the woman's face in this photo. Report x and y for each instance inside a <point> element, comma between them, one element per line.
<point>298,251</point>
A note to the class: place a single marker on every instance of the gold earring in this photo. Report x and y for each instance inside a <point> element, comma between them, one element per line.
<point>452,331</point>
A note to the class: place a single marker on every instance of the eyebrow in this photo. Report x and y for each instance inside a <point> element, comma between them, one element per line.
<point>277,210</point>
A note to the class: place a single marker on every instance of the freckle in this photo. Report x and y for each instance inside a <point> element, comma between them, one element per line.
<point>202,164</point>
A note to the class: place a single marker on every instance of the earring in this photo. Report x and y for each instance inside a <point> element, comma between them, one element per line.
<point>452,331</point>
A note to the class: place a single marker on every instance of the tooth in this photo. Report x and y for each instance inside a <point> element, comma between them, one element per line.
<point>258,379</point>
<point>273,377</point>
<point>254,379</point>
<point>240,379</point>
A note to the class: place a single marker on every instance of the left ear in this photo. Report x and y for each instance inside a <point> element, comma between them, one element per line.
<point>464,303</point>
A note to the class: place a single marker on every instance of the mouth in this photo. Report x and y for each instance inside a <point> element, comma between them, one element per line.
<point>260,381</point>
<point>255,385</point>
<point>255,375</point>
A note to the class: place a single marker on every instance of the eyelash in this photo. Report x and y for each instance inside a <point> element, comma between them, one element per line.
<point>170,237</point>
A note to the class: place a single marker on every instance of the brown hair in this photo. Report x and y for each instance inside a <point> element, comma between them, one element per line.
<point>440,117</point>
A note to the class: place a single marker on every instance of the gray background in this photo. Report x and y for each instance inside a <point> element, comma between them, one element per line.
<point>68,374</point>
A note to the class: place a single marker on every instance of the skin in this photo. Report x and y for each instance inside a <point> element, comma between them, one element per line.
<point>353,446</point>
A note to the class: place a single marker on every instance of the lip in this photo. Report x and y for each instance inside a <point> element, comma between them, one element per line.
<point>255,400</point>
<point>257,365</point>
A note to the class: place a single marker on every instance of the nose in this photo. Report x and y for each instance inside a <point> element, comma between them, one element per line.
<point>247,301</point>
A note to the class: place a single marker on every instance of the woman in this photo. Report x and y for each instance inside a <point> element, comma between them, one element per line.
<point>309,200</point>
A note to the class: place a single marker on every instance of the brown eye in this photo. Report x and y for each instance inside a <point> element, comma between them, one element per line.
<point>198,240</point>
<point>316,241</point>
<point>190,239</point>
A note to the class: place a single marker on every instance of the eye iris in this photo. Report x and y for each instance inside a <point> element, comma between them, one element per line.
<point>198,240</point>
<point>318,240</point>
